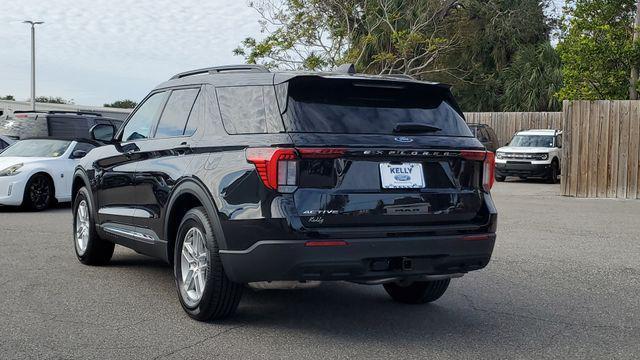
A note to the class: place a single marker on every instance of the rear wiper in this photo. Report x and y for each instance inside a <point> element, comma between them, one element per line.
<point>415,128</point>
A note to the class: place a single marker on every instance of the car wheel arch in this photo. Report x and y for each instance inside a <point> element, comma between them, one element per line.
<point>80,180</point>
<point>45,174</point>
<point>188,194</point>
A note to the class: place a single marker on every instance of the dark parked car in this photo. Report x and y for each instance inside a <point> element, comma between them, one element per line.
<point>237,175</point>
<point>5,142</point>
<point>486,135</point>
<point>55,124</point>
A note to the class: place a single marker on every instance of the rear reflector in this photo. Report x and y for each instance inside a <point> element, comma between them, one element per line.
<point>321,153</point>
<point>325,243</point>
<point>475,237</point>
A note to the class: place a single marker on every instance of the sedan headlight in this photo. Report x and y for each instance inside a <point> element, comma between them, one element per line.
<point>11,170</point>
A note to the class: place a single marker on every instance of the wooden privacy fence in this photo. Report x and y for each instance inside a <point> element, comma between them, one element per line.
<point>507,123</point>
<point>601,151</point>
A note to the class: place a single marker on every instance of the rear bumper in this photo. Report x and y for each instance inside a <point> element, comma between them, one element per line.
<point>522,169</point>
<point>360,259</point>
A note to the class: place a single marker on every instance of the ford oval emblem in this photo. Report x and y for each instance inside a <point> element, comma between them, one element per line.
<point>404,139</point>
<point>402,177</point>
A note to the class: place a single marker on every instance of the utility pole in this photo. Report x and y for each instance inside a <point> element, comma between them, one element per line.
<point>33,60</point>
<point>633,92</point>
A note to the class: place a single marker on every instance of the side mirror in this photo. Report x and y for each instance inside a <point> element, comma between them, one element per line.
<point>78,154</point>
<point>103,133</point>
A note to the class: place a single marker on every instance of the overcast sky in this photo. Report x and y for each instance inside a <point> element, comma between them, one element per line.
<point>97,51</point>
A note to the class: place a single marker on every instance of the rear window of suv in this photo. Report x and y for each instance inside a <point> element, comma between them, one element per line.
<point>319,105</point>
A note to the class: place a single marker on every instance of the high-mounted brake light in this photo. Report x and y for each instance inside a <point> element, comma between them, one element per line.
<point>278,167</point>
<point>488,159</point>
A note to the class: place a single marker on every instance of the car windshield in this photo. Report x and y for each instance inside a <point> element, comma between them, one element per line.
<point>37,148</point>
<point>532,141</point>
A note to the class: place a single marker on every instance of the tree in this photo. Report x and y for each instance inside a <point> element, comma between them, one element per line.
<point>491,32</point>
<point>122,104</point>
<point>53,100</point>
<point>467,43</point>
<point>597,49</point>
<point>7,97</point>
<point>379,36</point>
<point>533,79</point>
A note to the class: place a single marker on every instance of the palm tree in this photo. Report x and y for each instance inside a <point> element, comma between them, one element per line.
<point>533,79</point>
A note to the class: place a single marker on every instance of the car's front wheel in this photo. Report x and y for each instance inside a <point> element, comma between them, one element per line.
<point>90,248</point>
<point>204,289</point>
<point>418,292</point>
<point>39,193</point>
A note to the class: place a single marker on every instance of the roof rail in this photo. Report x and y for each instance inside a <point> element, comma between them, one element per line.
<point>73,112</point>
<point>223,68</point>
<point>57,112</point>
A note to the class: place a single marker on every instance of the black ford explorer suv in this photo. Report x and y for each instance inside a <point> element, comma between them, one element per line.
<point>240,176</point>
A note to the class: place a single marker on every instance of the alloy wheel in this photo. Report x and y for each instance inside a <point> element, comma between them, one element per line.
<point>40,192</point>
<point>82,227</point>
<point>194,264</point>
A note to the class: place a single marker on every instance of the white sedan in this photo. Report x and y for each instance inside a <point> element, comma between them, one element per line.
<point>35,173</point>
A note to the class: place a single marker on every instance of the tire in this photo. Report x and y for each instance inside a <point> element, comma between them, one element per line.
<point>552,177</point>
<point>90,248</point>
<point>209,294</point>
<point>419,292</point>
<point>500,178</point>
<point>39,193</point>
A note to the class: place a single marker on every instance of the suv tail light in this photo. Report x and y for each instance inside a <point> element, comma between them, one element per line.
<point>278,167</point>
<point>489,165</point>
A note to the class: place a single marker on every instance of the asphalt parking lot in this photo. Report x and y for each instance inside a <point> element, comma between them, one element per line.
<point>564,282</point>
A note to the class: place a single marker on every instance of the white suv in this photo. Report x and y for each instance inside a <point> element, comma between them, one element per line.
<point>531,153</point>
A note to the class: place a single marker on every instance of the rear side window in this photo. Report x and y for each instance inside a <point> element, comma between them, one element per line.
<point>139,125</point>
<point>3,144</point>
<point>176,113</point>
<point>243,109</point>
<point>322,105</point>
<point>68,126</point>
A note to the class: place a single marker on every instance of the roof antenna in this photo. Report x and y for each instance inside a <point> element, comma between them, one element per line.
<point>346,69</point>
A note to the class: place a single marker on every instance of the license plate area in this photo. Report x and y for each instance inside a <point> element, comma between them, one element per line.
<point>401,175</point>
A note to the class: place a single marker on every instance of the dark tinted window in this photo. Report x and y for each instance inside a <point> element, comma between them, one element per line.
<point>3,144</point>
<point>174,117</point>
<point>242,109</point>
<point>139,125</point>
<point>369,107</point>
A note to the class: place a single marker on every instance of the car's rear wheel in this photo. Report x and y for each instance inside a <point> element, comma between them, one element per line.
<point>500,178</point>
<point>418,292</point>
<point>39,193</point>
<point>90,248</point>
<point>204,289</point>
